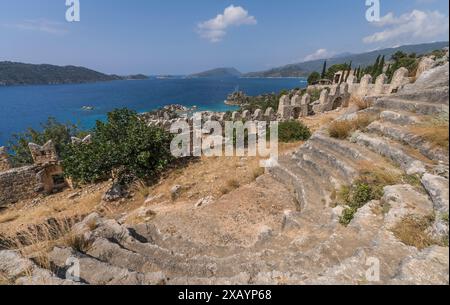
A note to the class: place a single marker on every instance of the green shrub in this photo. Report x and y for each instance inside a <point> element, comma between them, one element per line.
<point>347,216</point>
<point>313,77</point>
<point>292,131</point>
<point>124,145</point>
<point>53,130</point>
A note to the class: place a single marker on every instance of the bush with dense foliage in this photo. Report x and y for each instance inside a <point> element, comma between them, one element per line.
<point>291,131</point>
<point>123,145</point>
<point>53,130</point>
<point>313,77</point>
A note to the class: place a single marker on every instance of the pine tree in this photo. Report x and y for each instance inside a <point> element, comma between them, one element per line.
<point>324,70</point>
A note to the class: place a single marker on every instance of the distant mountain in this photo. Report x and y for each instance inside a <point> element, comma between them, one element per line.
<point>217,73</point>
<point>305,68</point>
<point>14,73</point>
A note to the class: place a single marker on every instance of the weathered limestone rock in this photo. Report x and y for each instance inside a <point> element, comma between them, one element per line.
<point>5,164</point>
<point>398,118</point>
<point>399,79</point>
<point>43,154</point>
<point>425,64</point>
<point>429,267</point>
<point>437,188</point>
<point>364,85</point>
<point>289,220</point>
<point>22,271</point>
<point>351,80</point>
<point>100,273</point>
<point>269,114</point>
<point>379,84</point>
<point>235,116</point>
<point>296,100</point>
<point>204,201</point>
<point>85,140</point>
<point>116,192</point>
<point>258,115</point>
<point>264,233</point>
<point>175,191</point>
<point>402,201</point>
<point>304,108</point>
<point>284,109</point>
<point>246,115</point>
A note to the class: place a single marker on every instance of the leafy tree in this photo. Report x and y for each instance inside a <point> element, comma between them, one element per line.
<point>401,59</point>
<point>313,77</point>
<point>335,68</point>
<point>124,144</point>
<point>53,130</point>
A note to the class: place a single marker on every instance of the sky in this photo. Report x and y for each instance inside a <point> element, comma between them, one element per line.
<point>181,37</point>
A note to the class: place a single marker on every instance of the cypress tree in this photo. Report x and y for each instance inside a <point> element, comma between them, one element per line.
<point>380,69</point>
<point>375,66</point>
<point>349,71</point>
<point>324,70</point>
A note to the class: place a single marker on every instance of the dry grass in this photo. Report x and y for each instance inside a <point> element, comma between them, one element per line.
<point>258,172</point>
<point>359,102</point>
<point>412,232</point>
<point>343,129</point>
<point>437,133</point>
<point>38,241</point>
<point>378,174</point>
<point>140,187</point>
<point>230,186</point>
<point>8,217</point>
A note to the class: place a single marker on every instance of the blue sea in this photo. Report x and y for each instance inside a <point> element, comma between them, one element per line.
<point>29,106</point>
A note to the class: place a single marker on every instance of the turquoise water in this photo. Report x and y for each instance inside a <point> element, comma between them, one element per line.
<point>28,106</point>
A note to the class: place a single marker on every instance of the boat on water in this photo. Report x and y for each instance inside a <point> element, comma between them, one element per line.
<point>87,108</point>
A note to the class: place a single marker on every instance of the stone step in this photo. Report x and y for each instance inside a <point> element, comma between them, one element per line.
<point>19,270</point>
<point>392,150</point>
<point>411,106</point>
<point>337,163</point>
<point>95,272</point>
<point>124,251</point>
<point>399,117</point>
<point>406,137</point>
<point>428,267</point>
<point>239,279</point>
<point>438,95</point>
<point>182,246</point>
<point>283,173</point>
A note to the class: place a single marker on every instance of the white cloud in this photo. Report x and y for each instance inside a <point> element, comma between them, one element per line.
<point>319,54</point>
<point>410,27</point>
<point>40,25</point>
<point>215,29</point>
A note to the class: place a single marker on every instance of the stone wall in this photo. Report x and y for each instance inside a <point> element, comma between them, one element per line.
<point>5,164</point>
<point>18,184</point>
<point>44,177</point>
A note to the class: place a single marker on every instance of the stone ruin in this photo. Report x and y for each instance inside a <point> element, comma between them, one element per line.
<point>338,94</point>
<point>5,164</point>
<point>44,176</point>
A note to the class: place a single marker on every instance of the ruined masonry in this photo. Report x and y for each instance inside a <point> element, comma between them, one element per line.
<point>43,177</point>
